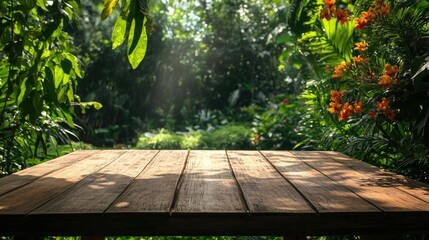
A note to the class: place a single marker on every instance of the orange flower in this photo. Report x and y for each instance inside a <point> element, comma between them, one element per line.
<point>383,105</point>
<point>357,107</point>
<point>326,14</point>
<point>361,46</point>
<point>346,112</point>
<point>342,67</point>
<point>329,3</point>
<point>390,114</point>
<point>372,13</point>
<point>358,60</point>
<point>368,14</point>
<point>381,7</point>
<point>335,104</point>
<point>360,23</point>
<point>390,70</point>
<point>386,81</point>
<point>384,10</point>
<point>334,107</point>
<point>335,96</point>
<point>342,16</point>
<point>389,74</point>
<point>373,114</point>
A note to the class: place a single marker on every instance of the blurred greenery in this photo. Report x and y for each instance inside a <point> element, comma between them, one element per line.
<point>229,136</point>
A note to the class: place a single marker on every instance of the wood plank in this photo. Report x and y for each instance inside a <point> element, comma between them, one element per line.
<point>325,194</point>
<point>27,198</point>
<point>264,189</point>
<point>96,193</point>
<point>28,175</point>
<point>208,185</point>
<point>383,177</point>
<point>388,199</point>
<point>153,190</point>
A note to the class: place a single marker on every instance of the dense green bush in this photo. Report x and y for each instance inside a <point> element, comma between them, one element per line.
<point>275,127</point>
<point>38,78</point>
<point>163,139</point>
<point>230,136</point>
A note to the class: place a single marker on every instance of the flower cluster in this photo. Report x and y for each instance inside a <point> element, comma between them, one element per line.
<point>339,69</point>
<point>329,11</point>
<point>345,110</point>
<point>384,108</point>
<point>389,76</point>
<point>378,8</point>
<point>359,68</point>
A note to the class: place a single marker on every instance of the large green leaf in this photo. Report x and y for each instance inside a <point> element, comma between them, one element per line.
<point>108,7</point>
<point>340,36</point>
<point>137,39</point>
<point>121,27</point>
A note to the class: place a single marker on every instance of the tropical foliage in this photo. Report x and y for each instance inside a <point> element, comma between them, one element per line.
<point>373,94</point>
<point>38,78</point>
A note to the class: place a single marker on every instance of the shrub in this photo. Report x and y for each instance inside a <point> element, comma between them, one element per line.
<point>161,140</point>
<point>193,140</point>
<point>230,136</point>
<point>275,127</point>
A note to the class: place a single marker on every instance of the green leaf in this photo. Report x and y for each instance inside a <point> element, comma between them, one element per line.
<point>285,37</point>
<point>75,64</point>
<point>69,12</point>
<point>22,92</point>
<point>108,7</point>
<point>4,74</point>
<point>70,94</point>
<point>86,105</point>
<point>137,40</point>
<point>49,86</point>
<point>119,32</point>
<point>121,27</point>
<point>66,64</point>
<point>59,75</point>
<point>52,29</point>
<point>42,4</point>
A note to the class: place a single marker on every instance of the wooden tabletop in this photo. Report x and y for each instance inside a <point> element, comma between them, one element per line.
<point>178,192</point>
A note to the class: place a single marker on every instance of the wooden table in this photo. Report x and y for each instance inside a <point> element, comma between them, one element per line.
<point>176,192</point>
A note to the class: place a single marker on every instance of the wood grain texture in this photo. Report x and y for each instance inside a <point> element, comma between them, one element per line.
<point>28,175</point>
<point>153,190</point>
<point>384,197</point>
<point>25,199</point>
<point>383,177</point>
<point>325,194</point>
<point>96,193</point>
<point>208,185</point>
<point>264,189</point>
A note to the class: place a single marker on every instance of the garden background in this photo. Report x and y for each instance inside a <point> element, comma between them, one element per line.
<point>349,76</point>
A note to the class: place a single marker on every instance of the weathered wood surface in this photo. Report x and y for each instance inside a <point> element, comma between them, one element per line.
<point>178,192</point>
